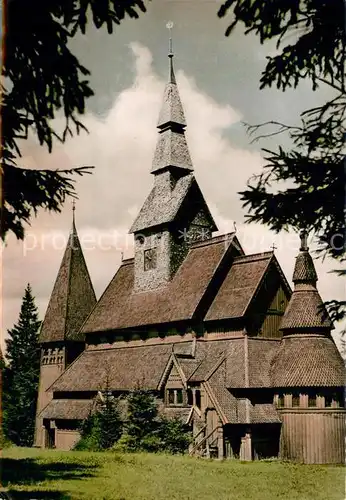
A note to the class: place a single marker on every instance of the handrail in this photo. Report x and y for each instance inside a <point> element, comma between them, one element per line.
<point>200,431</point>
<point>204,439</point>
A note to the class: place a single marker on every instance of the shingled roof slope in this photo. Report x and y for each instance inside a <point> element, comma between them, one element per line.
<point>121,368</point>
<point>119,307</point>
<point>308,360</point>
<point>227,402</point>
<point>232,351</point>
<point>239,286</point>
<point>72,298</point>
<point>68,409</point>
<point>212,353</point>
<point>164,201</point>
<point>261,353</point>
<point>305,310</point>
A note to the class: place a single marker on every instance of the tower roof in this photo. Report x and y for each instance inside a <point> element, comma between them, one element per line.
<point>305,310</point>
<point>171,149</point>
<point>72,298</point>
<point>171,109</point>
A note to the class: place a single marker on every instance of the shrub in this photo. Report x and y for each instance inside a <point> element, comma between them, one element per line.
<point>90,435</point>
<point>102,429</point>
<point>175,436</point>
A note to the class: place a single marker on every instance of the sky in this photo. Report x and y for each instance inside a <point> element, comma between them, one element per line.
<point>218,80</point>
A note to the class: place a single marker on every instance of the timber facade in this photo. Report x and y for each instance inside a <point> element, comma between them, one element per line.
<point>218,336</point>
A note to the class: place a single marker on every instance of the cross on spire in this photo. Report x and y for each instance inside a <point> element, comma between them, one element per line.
<point>273,247</point>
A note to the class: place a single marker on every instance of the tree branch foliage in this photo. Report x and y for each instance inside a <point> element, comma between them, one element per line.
<point>310,45</point>
<point>42,77</point>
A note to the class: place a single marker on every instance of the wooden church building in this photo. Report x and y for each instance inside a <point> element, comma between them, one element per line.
<point>217,335</point>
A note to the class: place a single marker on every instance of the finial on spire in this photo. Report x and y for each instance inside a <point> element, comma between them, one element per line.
<point>273,247</point>
<point>303,240</point>
<point>73,211</point>
<point>169,26</point>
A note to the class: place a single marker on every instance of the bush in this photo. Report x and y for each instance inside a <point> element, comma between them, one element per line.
<point>143,430</point>
<point>90,435</point>
<point>102,429</point>
<point>146,431</point>
<point>174,435</point>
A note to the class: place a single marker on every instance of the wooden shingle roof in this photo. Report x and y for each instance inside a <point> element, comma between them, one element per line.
<point>120,307</point>
<point>74,409</point>
<point>308,360</point>
<point>239,286</point>
<point>164,203</point>
<point>121,368</point>
<point>305,310</point>
<point>72,298</point>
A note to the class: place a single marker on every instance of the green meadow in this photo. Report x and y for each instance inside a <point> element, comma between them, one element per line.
<point>54,475</point>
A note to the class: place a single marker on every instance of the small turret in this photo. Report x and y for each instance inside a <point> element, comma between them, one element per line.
<point>305,311</point>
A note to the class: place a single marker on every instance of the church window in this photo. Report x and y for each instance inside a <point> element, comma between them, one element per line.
<point>171,396</point>
<point>189,397</point>
<point>179,396</point>
<point>175,397</point>
<point>149,259</point>
<point>140,239</point>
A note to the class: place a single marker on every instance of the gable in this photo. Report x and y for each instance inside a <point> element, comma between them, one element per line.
<point>194,209</point>
<point>174,378</point>
<point>269,303</point>
<point>239,287</point>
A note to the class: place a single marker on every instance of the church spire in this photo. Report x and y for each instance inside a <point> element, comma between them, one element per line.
<point>171,149</point>
<point>305,312</point>
<point>72,291</point>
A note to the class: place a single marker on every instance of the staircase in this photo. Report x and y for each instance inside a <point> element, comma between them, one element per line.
<point>206,445</point>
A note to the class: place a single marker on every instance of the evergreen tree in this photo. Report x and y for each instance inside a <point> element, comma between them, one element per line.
<point>103,428</point>
<point>147,430</point>
<point>21,375</point>
<point>110,423</point>
<point>141,416</point>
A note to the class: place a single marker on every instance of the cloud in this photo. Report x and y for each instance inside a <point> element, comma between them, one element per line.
<point>121,145</point>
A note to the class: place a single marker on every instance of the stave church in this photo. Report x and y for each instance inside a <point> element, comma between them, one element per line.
<point>217,335</point>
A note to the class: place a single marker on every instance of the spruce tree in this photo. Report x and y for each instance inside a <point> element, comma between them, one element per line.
<point>21,375</point>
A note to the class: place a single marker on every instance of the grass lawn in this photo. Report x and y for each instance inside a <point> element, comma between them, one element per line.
<point>54,475</point>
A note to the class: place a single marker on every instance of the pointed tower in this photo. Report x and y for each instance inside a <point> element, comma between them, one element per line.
<point>308,374</point>
<point>175,212</point>
<point>72,300</point>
